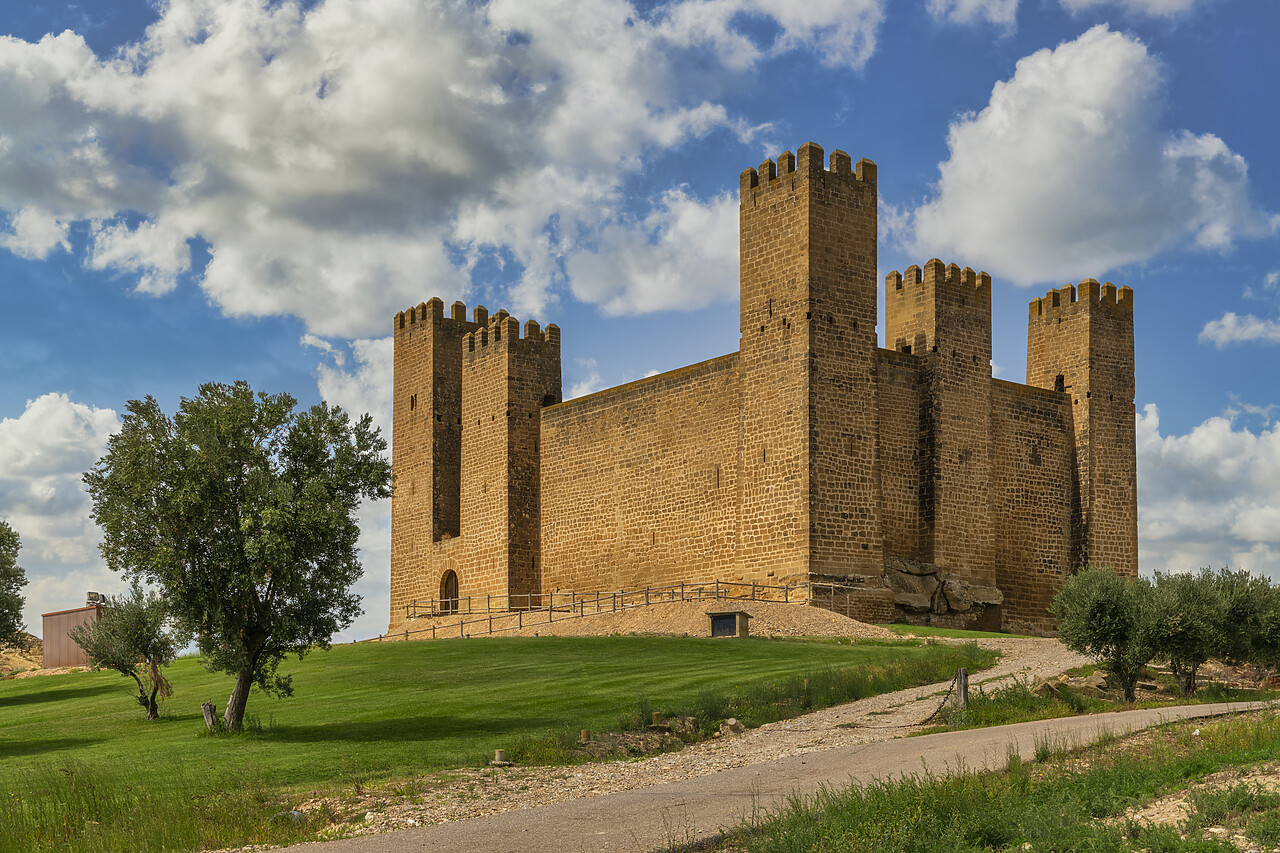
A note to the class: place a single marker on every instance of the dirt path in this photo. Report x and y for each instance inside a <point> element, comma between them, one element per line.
<point>474,792</point>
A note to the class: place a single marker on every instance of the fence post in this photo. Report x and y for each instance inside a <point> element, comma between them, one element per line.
<point>962,688</point>
<point>646,596</point>
<point>753,590</point>
<point>717,589</point>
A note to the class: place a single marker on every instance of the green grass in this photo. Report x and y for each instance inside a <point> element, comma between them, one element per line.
<point>904,630</point>
<point>77,759</point>
<point>1063,807</point>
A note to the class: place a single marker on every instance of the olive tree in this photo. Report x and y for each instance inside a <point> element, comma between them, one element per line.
<point>12,580</point>
<point>241,510</point>
<point>1103,615</point>
<point>133,638</point>
<point>1185,624</point>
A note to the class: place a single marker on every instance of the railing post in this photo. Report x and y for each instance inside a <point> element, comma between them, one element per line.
<point>646,596</point>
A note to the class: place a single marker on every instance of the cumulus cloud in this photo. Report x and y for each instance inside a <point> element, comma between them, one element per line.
<point>365,387</point>
<point>335,159</point>
<point>1068,172</point>
<point>34,233</point>
<point>43,453</point>
<point>1001,12</point>
<point>1231,328</point>
<point>683,254</point>
<point>1209,497</point>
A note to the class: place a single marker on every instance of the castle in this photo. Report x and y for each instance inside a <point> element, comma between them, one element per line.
<point>908,476</point>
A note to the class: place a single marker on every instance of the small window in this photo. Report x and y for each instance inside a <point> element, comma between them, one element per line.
<point>413,402</point>
<point>1059,384</point>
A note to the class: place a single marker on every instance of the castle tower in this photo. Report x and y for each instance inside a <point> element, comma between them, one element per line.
<point>943,316</point>
<point>808,484</point>
<point>506,380</point>
<point>1082,344</point>
<point>426,441</point>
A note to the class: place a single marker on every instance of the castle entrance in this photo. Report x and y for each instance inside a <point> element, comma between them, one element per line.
<point>449,592</point>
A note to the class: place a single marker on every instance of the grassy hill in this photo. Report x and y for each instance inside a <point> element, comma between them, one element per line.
<point>81,766</point>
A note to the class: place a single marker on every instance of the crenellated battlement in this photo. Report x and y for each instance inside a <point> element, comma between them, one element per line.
<point>961,287</point>
<point>433,309</point>
<point>501,332</point>
<point>1090,296</point>
<point>790,170</point>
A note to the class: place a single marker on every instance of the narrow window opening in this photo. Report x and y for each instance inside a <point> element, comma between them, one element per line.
<point>906,348</point>
<point>1059,384</point>
<point>770,308</point>
<point>413,402</point>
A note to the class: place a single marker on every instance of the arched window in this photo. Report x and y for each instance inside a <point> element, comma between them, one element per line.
<point>449,592</point>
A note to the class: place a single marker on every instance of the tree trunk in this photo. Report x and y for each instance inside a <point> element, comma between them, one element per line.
<point>233,719</point>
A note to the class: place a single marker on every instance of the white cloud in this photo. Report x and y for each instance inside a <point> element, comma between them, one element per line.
<point>367,387</point>
<point>1210,497</point>
<point>1232,328</point>
<point>34,233</point>
<point>1271,279</point>
<point>1001,12</point>
<point>369,144</point>
<point>683,254</point>
<point>43,453</point>
<point>1154,8</point>
<point>1068,173</point>
<point>590,381</point>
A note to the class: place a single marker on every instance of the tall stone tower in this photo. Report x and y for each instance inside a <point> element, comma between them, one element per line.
<point>426,438</point>
<point>466,499</point>
<point>807,480</point>
<point>1082,345</point>
<point>943,316</point>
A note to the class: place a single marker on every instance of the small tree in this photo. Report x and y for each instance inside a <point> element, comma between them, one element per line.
<point>132,637</point>
<point>1102,615</point>
<point>12,580</point>
<point>241,511</point>
<point>1184,623</point>
<point>1243,616</point>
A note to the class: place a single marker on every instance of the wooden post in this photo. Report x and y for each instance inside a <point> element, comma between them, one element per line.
<point>210,720</point>
<point>962,688</point>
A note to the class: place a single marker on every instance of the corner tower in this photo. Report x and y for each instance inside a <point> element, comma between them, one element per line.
<point>808,483</point>
<point>1081,344</point>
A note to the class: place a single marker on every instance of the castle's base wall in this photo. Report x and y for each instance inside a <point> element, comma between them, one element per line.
<point>639,483</point>
<point>1033,473</point>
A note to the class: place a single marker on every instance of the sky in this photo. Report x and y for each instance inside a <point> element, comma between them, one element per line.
<point>213,190</point>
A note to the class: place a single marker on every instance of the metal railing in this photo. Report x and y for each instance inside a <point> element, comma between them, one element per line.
<point>499,613</point>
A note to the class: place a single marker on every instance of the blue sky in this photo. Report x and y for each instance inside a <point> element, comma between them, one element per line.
<point>202,190</point>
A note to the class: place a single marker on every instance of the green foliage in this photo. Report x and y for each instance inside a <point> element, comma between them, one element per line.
<point>1248,616</point>
<point>133,638</point>
<point>1186,627</point>
<point>12,579</point>
<point>1107,617</point>
<point>241,510</point>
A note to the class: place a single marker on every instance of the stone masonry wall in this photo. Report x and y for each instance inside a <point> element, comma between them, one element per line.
<point>1085,346</point>
<point>639,482</point>
<point>1033,476</point>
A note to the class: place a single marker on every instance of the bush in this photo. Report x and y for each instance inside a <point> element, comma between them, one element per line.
<point>1186,624</point>
<point>1108,617</point>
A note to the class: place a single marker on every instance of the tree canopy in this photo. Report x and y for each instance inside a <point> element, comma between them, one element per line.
<point>1104,615</point>
<point>133,638</point>
<point>12,580</point>
<point>241,510</point>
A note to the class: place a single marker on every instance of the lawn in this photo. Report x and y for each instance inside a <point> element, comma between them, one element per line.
<point>380,711</point>
<point>904,630</point>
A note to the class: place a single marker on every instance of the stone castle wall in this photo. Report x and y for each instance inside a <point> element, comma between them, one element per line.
<point>909,475</point>
<point>640,482</point>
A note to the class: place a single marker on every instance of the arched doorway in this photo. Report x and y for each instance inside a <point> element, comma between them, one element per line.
<point>449,592</point>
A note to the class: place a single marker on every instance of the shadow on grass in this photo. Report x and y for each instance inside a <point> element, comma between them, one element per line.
<point>17,749</point>
<point>408,729</point>
<point>57,694</point>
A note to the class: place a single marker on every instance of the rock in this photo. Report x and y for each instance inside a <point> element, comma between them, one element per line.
<point>294,817</point>
<point>731,726</point>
